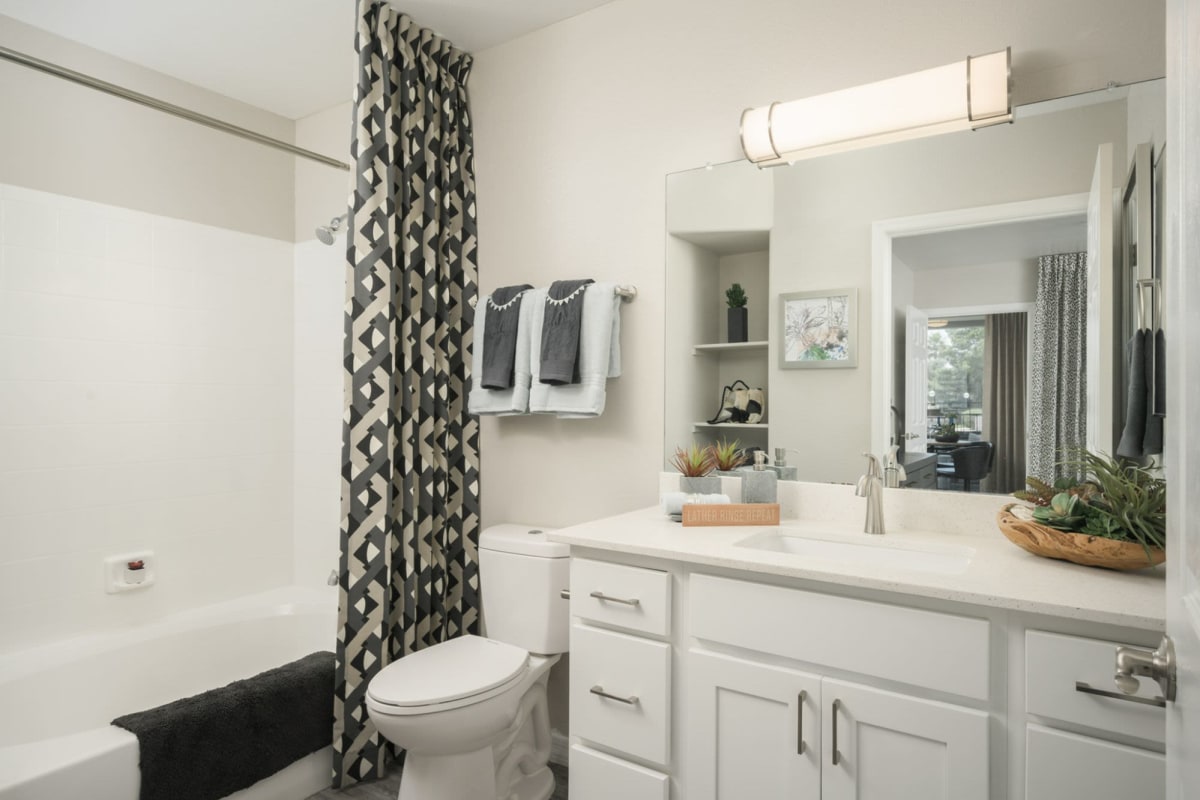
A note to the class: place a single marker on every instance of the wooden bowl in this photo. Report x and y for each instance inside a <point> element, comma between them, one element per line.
<point>1080,548</point>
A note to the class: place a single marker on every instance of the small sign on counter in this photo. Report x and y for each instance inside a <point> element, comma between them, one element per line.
<point>700,515</point>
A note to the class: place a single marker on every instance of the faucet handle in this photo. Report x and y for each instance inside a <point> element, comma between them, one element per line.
<point>873,468</point>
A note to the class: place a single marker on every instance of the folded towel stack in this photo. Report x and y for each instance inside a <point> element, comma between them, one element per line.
<point>584,334</point>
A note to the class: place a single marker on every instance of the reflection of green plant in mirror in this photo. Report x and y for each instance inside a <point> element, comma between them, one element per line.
<point>727,455</point>
<point>694,462</point>
<point>735,296</point>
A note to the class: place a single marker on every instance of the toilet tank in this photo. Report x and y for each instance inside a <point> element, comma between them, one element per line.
<point>521,574</point>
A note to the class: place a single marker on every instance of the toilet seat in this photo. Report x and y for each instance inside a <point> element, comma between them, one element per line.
<point>452,674</point>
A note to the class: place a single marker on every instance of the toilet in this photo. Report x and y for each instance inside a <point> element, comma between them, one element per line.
<point>471,712</point>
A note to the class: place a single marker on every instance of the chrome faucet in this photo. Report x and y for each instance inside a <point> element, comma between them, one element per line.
<point>870,486</point>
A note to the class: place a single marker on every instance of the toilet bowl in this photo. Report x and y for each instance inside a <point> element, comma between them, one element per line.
<point>471,712</point>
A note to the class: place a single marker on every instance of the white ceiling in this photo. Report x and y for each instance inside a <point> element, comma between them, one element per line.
<point>291,57</point>
<point>993,244</point>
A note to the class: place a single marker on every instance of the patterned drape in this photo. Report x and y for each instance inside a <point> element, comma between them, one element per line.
<point>1057,399</point>
<point>1004,365</point>
<point>410,452</point>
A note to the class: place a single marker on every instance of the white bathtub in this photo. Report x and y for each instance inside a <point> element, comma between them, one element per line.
<point>56,701</point>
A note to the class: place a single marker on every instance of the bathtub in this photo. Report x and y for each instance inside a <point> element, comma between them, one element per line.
<point>56,700</point>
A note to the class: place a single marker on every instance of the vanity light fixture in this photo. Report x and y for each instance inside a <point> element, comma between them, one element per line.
<point>965,95</point>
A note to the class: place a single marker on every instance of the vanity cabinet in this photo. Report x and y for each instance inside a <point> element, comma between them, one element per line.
<point>620,687</point>
<point>1083,738</point>
<point>760,730</point>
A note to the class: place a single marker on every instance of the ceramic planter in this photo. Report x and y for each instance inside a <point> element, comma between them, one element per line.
<point>738,323</point>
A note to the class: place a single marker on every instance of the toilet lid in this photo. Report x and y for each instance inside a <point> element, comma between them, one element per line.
<point>454,669</point>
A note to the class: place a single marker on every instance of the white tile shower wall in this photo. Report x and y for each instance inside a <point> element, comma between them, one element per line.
<point>145,403</point>
<point>320,292</point>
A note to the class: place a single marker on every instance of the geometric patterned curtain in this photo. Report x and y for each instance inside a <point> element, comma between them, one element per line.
<point>408,567</point>
<point>1058,383</point>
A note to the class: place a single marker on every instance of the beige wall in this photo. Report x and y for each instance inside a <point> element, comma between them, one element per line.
<point>74,141</point>
<point>577,124</point>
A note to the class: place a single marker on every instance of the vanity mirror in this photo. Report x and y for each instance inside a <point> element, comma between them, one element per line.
<point>952,225</point>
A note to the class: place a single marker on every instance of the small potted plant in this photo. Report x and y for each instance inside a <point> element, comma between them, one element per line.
<point>727,456</point>
<point>735,297</point>
<point>695,465</point>
<point>947,432</point>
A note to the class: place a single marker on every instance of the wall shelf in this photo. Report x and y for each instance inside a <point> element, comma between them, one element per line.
<point>728,347</point>
<point>757,426</point>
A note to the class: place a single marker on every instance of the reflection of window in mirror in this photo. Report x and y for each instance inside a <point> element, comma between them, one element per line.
<point>955,367</point>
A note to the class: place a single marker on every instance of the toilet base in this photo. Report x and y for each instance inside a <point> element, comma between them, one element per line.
<point>463,776</point>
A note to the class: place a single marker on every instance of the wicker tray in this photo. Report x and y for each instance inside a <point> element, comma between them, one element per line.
<point>1080,548</point>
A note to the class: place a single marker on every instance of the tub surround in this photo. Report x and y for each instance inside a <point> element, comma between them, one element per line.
<point>703,669</point>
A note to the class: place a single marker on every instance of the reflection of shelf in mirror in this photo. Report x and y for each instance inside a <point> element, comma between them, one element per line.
<point>728,347</point>
<point>757,426</point>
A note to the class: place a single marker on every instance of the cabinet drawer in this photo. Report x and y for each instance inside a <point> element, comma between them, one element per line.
<point>1055,662</point>
<point>596,776</point>
<point>1059,765</point>
<point>626,597</point>
<point>944,652</point>
<point>636,671</point>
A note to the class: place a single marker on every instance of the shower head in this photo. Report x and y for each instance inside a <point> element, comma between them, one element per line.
<point>327,233</point>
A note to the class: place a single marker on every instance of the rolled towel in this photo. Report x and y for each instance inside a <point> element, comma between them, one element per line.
<point>673,502</point>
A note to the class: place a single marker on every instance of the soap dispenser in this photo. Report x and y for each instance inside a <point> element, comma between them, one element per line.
<point>760,484</point>
<point>781,467</point>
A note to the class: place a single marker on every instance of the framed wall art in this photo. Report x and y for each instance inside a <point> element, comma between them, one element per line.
<point>819,329</point>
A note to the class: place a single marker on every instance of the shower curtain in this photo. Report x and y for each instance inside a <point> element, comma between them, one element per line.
<point>1057,403</point>
<point>410,453</point>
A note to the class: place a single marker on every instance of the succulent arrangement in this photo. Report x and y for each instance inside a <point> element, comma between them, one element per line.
<point>1118,500</point>
<point>727,455</point>
<point>735,296</point>
<point>693,462</point>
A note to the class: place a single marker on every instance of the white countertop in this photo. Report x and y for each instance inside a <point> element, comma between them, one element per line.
<point>999,575</point>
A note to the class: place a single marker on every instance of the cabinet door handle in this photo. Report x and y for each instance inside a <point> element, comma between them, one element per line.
<point>632,700</point>
<point>1157,702</point>
<point>836,705</point>
<point>633,601</point>
<point>800,723</point>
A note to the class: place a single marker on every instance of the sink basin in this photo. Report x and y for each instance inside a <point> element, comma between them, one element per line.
<point>864,550</point>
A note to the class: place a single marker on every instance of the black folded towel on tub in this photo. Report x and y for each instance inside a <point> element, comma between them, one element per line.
<point>215,743</point>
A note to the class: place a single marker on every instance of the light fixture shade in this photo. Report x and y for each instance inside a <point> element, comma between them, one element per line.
<point>967,94</point>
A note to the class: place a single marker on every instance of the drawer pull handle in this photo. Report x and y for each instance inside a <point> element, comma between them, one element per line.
<point>1157,702</point>
<point>836,756</point>
<point>602,596</point>
<point>599,690</point>
<point>565,594</point>
<point>800,723</point>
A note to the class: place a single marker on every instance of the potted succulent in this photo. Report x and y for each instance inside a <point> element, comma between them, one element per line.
<point>1116,517</point>
<point>727,457</point>
<point>695,465</point>
<point>735,297</point>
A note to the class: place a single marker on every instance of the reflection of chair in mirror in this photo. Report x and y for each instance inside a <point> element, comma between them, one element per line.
<point>971,463</point>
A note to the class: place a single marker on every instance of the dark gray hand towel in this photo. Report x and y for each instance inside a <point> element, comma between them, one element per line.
<point>1156,365</point>
<point>560,332</point>
<point>1133,437</point>
<point>499,344</point>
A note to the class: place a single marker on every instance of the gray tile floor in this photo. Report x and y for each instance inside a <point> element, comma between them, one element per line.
<point>389,788</point>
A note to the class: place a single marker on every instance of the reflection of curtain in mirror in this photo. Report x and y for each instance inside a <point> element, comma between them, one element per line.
<point>1057,410</point>
<point>1004,363</point>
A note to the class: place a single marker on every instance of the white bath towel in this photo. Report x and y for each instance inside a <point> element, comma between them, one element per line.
<point>599,356</point>
<point>506,402</point>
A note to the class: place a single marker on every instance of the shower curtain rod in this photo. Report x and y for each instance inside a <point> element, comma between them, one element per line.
<point>58,71</point>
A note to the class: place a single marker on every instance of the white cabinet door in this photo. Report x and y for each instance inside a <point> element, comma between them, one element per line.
<point>890,746</point>
<point>1059,765</point>
<point>753,730</point>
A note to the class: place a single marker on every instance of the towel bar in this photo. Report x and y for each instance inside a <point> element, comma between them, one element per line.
<point>627,293</point>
